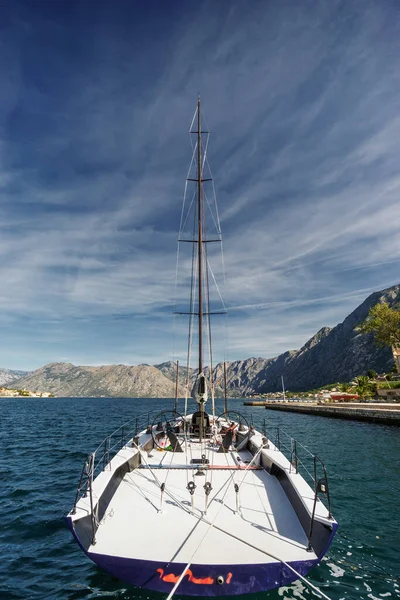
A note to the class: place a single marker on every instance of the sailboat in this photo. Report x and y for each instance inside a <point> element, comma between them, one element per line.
<point>197,503</point>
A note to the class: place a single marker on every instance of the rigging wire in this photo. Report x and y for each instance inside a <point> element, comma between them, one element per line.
<point>216,285</point>
<point>175,301</point>
<point>212,215</point>
<point>203,140</point>
<point>211,208</point>
<point>193,283</point>
<point>192,300</point>
<point>215,197</point>
<point>217,223</point>
<point>185,191</point>
<point>188,213</point>
<point>191,124</point>
<point>182,225</point>
<point>208,321</point>
<point>211,372</point>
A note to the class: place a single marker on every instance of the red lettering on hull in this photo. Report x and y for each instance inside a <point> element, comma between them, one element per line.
<point>172,578</point>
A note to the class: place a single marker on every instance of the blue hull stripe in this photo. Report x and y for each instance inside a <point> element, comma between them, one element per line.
<point>243,579</point>
<point>201,580</point>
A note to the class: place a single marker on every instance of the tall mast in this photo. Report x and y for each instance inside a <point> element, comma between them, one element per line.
<point>200,235</point>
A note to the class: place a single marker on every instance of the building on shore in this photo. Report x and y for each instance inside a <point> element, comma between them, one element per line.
<point>10,393</point>
<point>389,394</point>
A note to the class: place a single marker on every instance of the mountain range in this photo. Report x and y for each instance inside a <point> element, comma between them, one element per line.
<point>332,354</point>
<point>7,376</point>
<point>119,381</point>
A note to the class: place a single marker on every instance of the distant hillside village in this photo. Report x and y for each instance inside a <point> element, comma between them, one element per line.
<point>384,388</point>
<point>6,392</point>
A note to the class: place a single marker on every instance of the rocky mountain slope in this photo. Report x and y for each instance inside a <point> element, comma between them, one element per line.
<point>331,355</point>
<point>169,370</point>
<point>7,376</point>
<point>65,379</point>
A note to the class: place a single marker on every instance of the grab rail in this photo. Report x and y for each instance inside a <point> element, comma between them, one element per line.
<point>320,484</point>
<point>110,446</point>
<point>118,439</point>
<point>304,464</point>
<point>102,456</point>
<point>320,487</point>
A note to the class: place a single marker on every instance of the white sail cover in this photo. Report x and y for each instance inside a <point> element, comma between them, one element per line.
<point>199,391</point>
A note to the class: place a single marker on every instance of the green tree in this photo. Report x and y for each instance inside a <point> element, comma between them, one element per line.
<point>384,322</point>
<point>371,374</point>
<point>344,387</point>
<point>364,388</point>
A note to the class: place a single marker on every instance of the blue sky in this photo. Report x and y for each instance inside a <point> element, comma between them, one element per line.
<point>303,103</point>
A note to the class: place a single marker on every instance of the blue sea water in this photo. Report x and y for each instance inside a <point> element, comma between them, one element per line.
<point>43,443</point>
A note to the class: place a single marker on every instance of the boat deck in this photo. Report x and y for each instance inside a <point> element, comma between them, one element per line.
<point>264,529</point>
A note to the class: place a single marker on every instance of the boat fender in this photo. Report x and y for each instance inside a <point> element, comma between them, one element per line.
<point>163,441</point>
<point>220,580</point>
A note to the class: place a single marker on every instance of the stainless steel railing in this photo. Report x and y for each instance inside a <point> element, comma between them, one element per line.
<point>101,457</point>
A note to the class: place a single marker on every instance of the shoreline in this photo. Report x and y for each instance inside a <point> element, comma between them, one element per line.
<point>384,413</point>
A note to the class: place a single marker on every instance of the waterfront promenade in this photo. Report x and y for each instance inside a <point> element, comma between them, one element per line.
<point>358,411</point>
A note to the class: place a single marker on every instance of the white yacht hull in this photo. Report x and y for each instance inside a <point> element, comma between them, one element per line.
<point>249,534</point>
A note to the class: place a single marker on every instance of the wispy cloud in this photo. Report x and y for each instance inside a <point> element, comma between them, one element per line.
<point>302,101</point>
